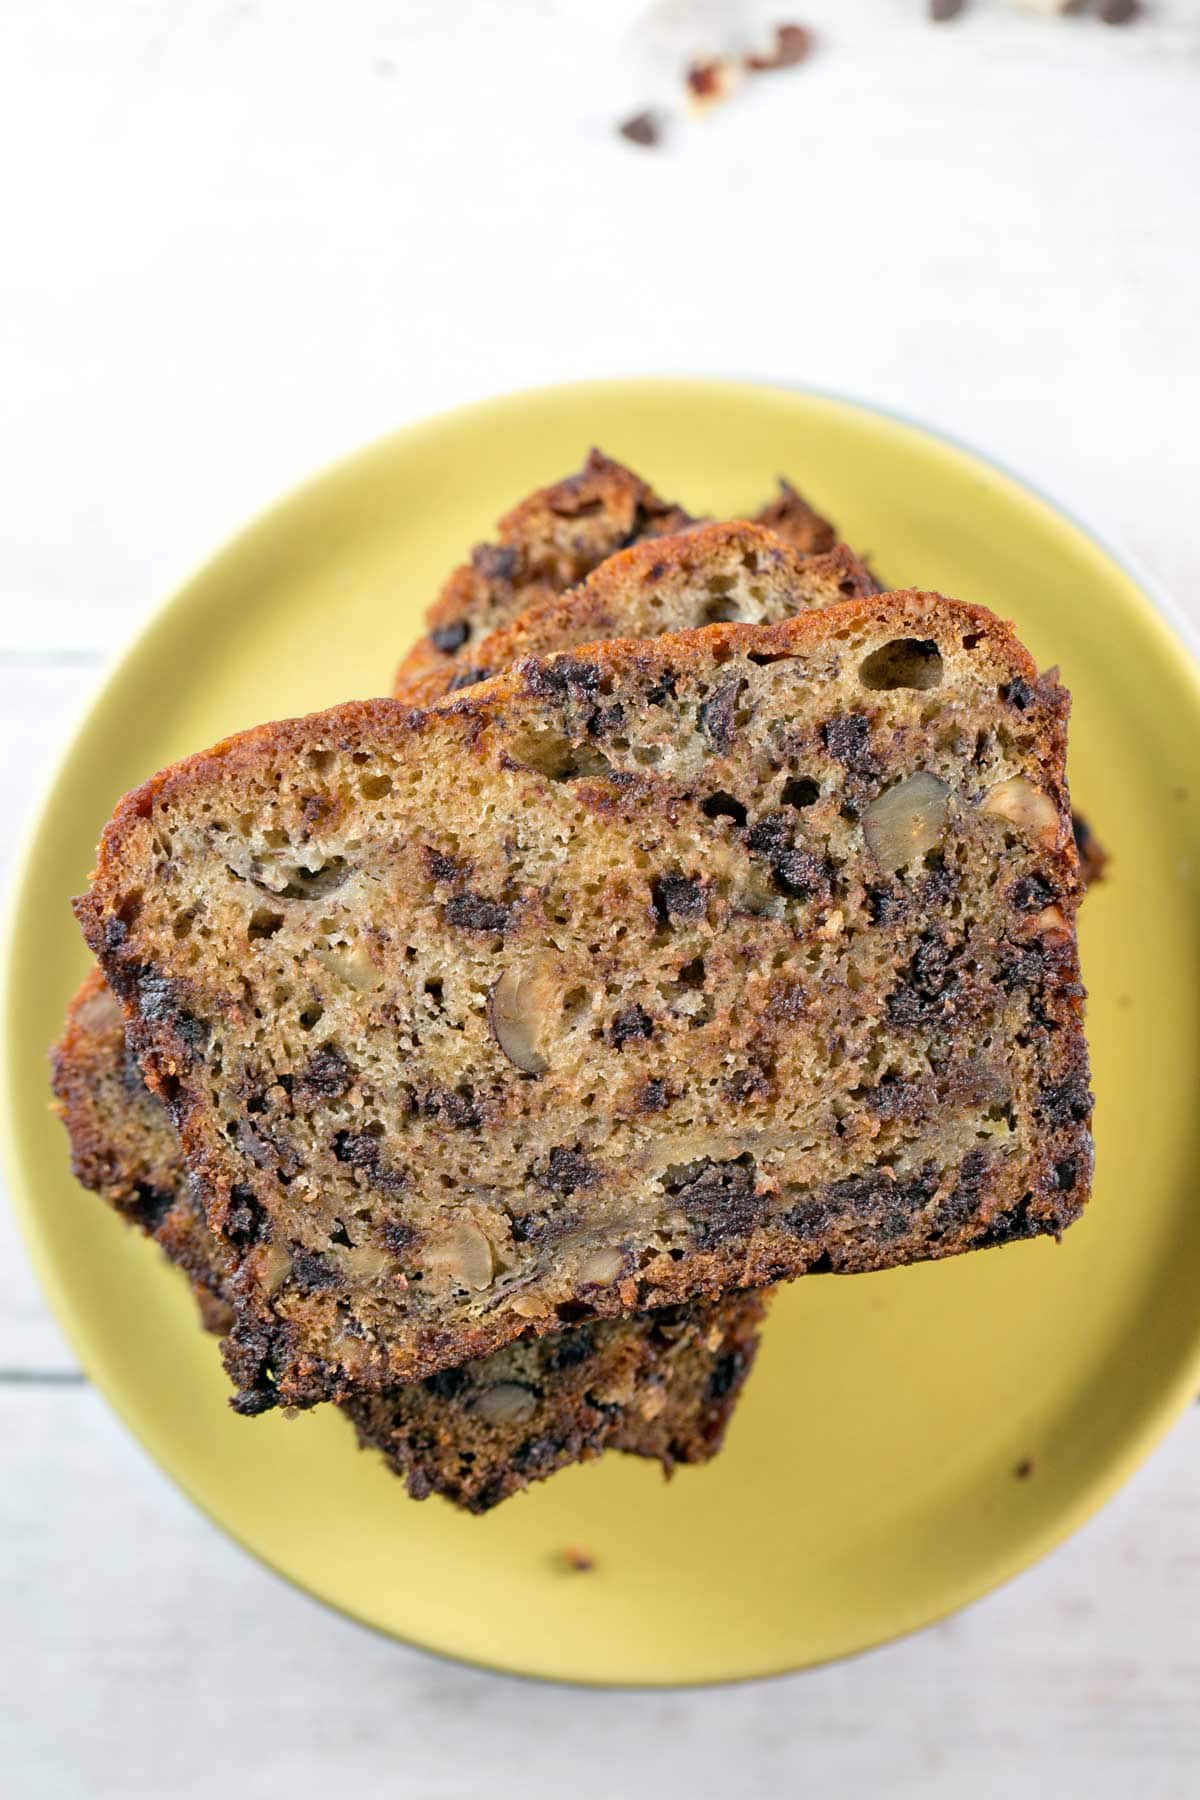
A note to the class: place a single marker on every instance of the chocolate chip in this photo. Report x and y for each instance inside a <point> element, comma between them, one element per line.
<point>1018,693</point>
<point>941,10</point>
<point>1068,1104</point>
<point>566,1170</point>
<point>473,912</point>
<point>848,741</point>
<point>326,1076</point>
<point>630,1023</point>
<point>606,720</point>
<point>717,716</point>
<point>449,638</point>
<point>886,905</point>
<point>246,1220</point>
<point>643,128</point>
<point>1117,12</point>
<point>677,897</point>
<point>312,1273</point>
<point>1008,1227</point>
<point>653,1097</point>
<point>495,562</point>
<point>793,44</point>
<point>566,678</point>
<point>746,1084</point>
<point>1030,893</point>
<point>878,1199</point>
<point>362,1150</point>
<point>962,1203</point>
<point>442,867</point>
<point>451,1107</point>
<point>159,1004</point>
<point>398,1236</point>
<point>931,964</point>
<point>718,1199</point>
<point>897,1099</point>
<point>797,872</point>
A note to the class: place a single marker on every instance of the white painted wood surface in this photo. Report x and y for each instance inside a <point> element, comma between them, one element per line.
<point>240,236</point>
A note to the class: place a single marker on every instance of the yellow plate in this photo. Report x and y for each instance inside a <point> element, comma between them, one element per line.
<point>869,1484</point>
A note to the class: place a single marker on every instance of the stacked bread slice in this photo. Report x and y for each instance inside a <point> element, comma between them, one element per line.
<point>693,917</point>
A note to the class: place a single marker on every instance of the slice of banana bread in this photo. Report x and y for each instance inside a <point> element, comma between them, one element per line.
<point>732,570</point>
<point>631,976</point>
<point>556,537</point>
<point>662,1385</point>
<point>548,542</point>
<point>652,588</point>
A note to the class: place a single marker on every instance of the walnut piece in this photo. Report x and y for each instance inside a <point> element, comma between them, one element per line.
<point>465,1254</point>
<point>1032,811</point>
<point>906,821</point>
<point>519,1009</point>
<point>505,1404</point>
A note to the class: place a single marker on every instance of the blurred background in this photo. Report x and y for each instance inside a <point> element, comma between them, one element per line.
<point>243,236</point>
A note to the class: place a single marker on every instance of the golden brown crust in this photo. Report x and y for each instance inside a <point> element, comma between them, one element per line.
<point>551,542</point>
<point>991,725</point>
<point>548,542</point>
<point>679,582</point>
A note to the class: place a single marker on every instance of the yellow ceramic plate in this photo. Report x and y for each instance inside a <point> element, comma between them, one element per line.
<point>869,1484</point>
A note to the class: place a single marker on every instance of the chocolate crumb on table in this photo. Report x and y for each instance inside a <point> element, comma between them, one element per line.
<point>710,81</point>
<point>643,128</point>
<point>793,44</point>
<point>578,1559</point>
<point>1024,1468</point>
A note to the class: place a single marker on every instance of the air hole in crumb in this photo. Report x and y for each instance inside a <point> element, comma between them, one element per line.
<point>374,787</point>
<point>263,923</point>
<point>312,1015</point>
<point>902,663</point>
<point>724,806</point>
<point>575,1002</point>
<point>572,1312</point>
<point>801,793</point>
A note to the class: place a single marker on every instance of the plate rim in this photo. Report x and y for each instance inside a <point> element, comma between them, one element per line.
<point>1159,608</point>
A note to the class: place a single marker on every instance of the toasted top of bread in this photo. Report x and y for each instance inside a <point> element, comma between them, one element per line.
<point>552,540</point>
<point>727,571</point>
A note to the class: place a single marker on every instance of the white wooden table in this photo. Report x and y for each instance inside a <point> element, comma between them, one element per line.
<point>240,236</point>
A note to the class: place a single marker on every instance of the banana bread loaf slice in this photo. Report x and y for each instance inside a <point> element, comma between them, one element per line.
<point>732,570</point>
<point>653,588</point>
<point>634,975</point>
<point>554,538</point>
<point>662,1385</point>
